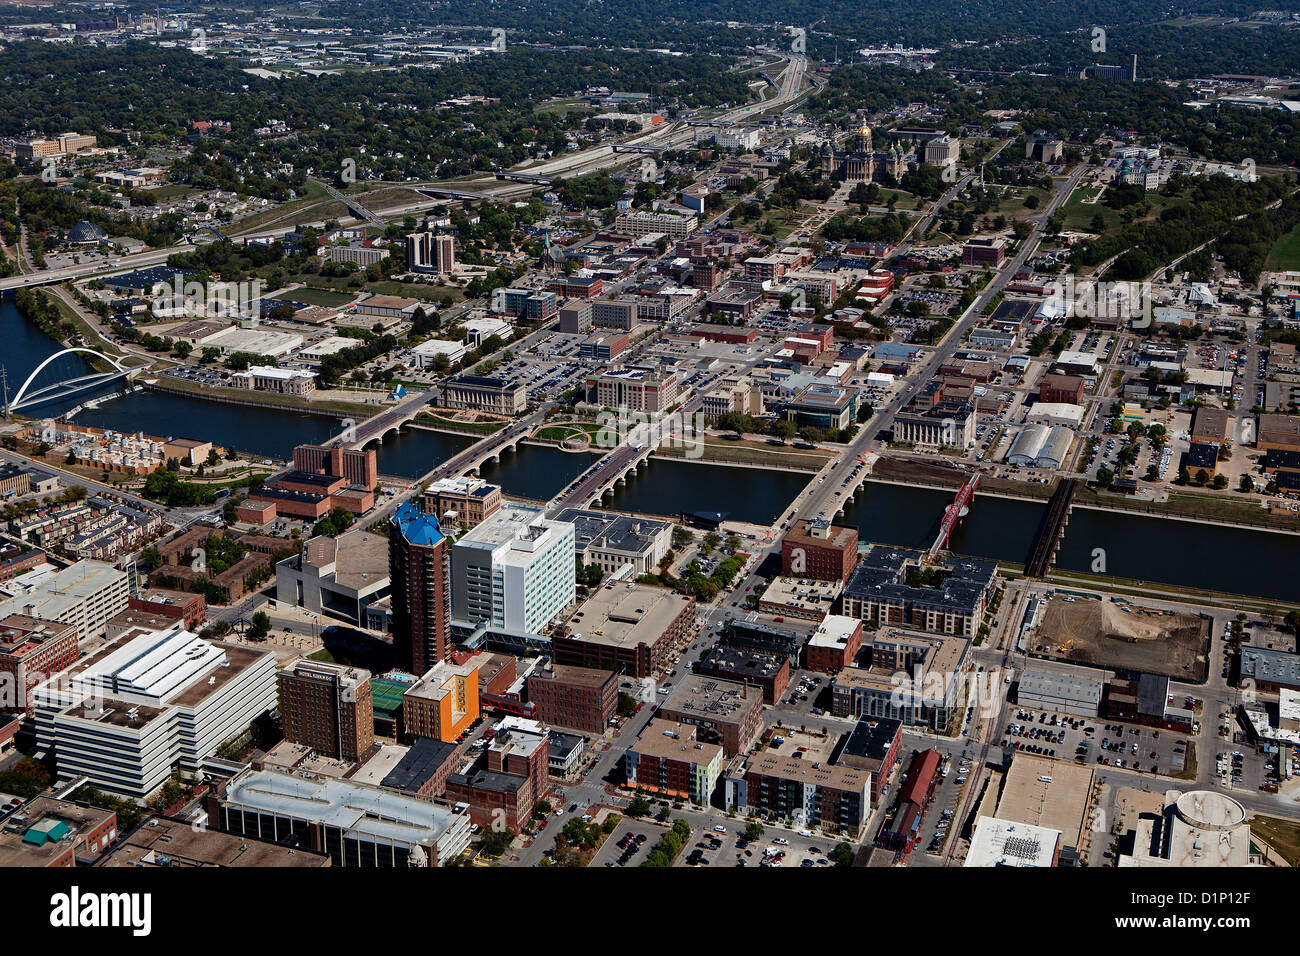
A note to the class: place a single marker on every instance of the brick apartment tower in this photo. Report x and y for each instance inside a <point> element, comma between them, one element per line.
<point>418,559</point>
<point>328,708</point>
<point>357,467</point>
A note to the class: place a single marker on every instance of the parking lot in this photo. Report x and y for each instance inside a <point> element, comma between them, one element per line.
<point>775,848</point>
<point>1094,741</point>
<point>939,821</point>
<point>628,845</point>
<point>808,692</point>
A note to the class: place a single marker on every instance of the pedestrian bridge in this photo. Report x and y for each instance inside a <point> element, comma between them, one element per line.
<point>28,397</point>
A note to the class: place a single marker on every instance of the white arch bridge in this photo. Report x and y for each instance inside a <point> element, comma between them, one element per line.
<point>27,396</point>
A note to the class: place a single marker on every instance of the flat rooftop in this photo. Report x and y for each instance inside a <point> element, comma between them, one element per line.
<point>579,676</point>
<point>703,696</point>
<point>1008,843</point>
<point>371,812</point>
<point>160,841</point>
<point>1047,793</point>
<point>742,663</point>
<point>619,616</point>
<point>812,772</point>
<point>872,737</point>
<point>32,836</point>
<point>669,740</point>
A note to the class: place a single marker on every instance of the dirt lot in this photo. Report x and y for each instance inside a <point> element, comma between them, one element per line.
<point>915,469</point>
<point>1098,632</point>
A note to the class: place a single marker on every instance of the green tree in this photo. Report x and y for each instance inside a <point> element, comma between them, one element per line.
<point>259,626</point>
<point>497,841</point>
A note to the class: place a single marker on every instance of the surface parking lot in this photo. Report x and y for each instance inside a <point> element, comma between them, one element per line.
<point>628,845</point>
<point>1092,741</point>
<point>808,692</point>
<point>940,816</point>
<point>774,848</point>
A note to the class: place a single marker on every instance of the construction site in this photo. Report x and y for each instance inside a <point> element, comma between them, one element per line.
<point>1123,636</point>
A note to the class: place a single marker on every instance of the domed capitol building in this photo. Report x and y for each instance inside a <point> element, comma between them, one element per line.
<point>861,163</point>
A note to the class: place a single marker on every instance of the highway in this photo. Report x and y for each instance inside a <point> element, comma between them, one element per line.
<point>565,167</point>
<point>140,260</point>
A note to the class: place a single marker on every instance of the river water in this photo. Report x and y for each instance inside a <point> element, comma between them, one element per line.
<point>1131,546</point>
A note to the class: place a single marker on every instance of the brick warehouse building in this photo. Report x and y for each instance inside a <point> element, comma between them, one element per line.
<point>178,605</point>
<point>726,712</point>
<point>815,548</point>
<point>31,651</point>
<point>357,467</point>
<point>577,698</point>
<point>628,629</point>
<point>506,787</point>
<point>834,644</point>
<point>1061,388</point>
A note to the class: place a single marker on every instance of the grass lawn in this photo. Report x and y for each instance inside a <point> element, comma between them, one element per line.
<point>1281,835</point>
<point>567,430</point>
<point>1285,254</point>
<point>1230,509</point>
<point>93,338</point>
<point>1078,215</point>
<point>172,191</point>
<point>1193,504</point>
<point>751,453</point>
<point>480,428</point>
<point>786,221</point>
<point>324,297</point>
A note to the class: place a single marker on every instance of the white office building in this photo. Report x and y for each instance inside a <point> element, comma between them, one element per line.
<point>148,702</point>
<point>514,570</point>
<point>425,355</point>
<point>354,824</point>
<point>85,595</point>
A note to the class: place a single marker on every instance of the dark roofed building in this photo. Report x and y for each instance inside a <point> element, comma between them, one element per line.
<point>896,586</point>
<point>611,540</point>
<point>1270,669</point>
<point>1144,699</point>
<point>425,768</point>
<point>768,671</point>
<point>764,637</point>
<point>1201,456</point>
<point>873,745</point>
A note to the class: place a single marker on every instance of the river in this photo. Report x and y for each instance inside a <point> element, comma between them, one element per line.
<point>1131,546</point>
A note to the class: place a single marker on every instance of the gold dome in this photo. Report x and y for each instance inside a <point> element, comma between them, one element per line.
<point>864,130</point>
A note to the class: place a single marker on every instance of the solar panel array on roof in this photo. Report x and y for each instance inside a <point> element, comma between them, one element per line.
<point>1022,848</point>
